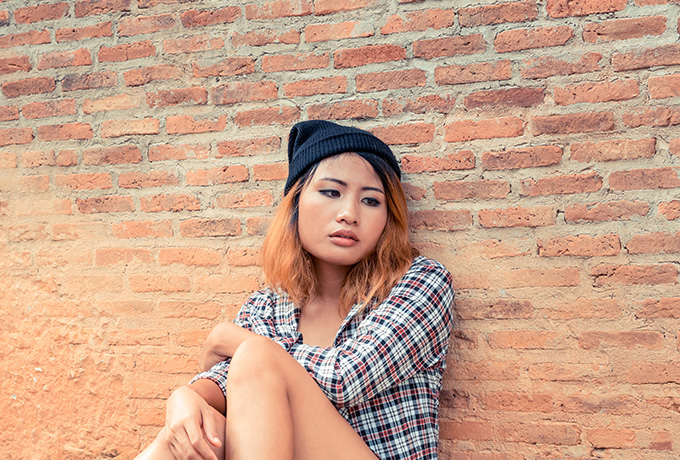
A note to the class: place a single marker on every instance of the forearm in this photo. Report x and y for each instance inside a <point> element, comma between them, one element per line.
<point>211,393</point>
<point>226,337</point>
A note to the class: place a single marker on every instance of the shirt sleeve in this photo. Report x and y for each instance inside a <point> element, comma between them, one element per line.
<point>407,333</point>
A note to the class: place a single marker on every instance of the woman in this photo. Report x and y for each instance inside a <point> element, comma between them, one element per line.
<point>342,355</point>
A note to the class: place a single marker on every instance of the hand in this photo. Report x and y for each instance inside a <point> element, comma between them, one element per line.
<point>190,426</point>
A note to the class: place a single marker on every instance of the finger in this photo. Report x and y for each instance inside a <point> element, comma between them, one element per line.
<point>198,444</point>
<point>210,428</point>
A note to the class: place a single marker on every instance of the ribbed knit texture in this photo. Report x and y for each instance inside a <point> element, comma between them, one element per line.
<point>311,141</point>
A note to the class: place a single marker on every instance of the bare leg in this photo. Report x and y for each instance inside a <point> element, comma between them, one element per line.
<point>277,411</point>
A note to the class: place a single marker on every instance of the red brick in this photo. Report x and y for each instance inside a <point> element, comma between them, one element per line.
<point>49,108</point>
<point>235,92</point>
<point>186,124</point>
<point>41,12</point>
<point>91,181</point>
<point>159,283</point>
<point>537,277</point>
<point>419,21</point>
<point>565,8</point>
<point>423,104</point>
<point>548,66</point>
<point>498,14</point>
<point>130,127</point>
<point>257,225</point>
<point>529,157</point>
<point>471,73</point>
<point>248,147</point>
<point>665,307</point>
<point>608,438</point>
<point>325,85</point>
<point>661,116</point>
<point>9,113</point>
<point>381,81</point>
<point>42,207</point>
<point>437,220</point>
<point>143,229</point>
<point>267,172</point>
<point>486,370</point>
<point>279,9</point>
<point>644,179</point>
<point>262,37</point>
<point>664,86</point>
<point>112,155</point>
<point>106,104</point>
<point>356,108</point>
<point>560,372</point>
<point>196,95</point>
<point>33,37</point>
<point>670,210</point>
<point>61,59</point>
<point>65,131</point>
<point>28,86</point>
<point>598,212</point>
<point>663,440</point>
<point>652,243</point>
<point>191,309</point>
<point>322,7</point>
<point>68,34</point>
<point>97,7</point>
<point>624,149</point>
<point>571,183</point>
<point>465,430</point>
<point>249,199</point>
<point>105,204</point>
<point>4,18</point>
<point>226,67</point>
<point>195,18</point>
<point>664,55</point>
<point>36,158</point>
<point>511,97</point>
<point>145,24</point>
<point>413,192</point>
<point>227,284</point>
<point>13,64</point>
<point>413,133</point>
<point>449,46</point>
<point>343,30</point>
<point>294,62</point>
<point>243,257</point>
<point>580,246</point>
<point>646,372</point>
<point>634,274</point>
<point>200,228</point>
<point>193,44</point>
<point>561,434</point>
<point>199,257</point>
<point>464,159</point>
<point>588,404</point>
<point>8,160</point>
<point>169,203</point>
<point>464,190</point>
<point>597,92</point>
<point>268,116</point>
<point>573,123</point>
<point>372,54</point>
<point>526,340</point>
<point>466,130</point>
<point>626,339</point>
<point>144,75</point>
<point>468,309</point>
<point>622,29</point>
<point>518,402</point>
<point>517,217</point>
<point>96,80</point>
<point>494,248</point>
<point>126,52</point>
<point>540,37</point>
<point>138,179</point>
<point>219,175</point>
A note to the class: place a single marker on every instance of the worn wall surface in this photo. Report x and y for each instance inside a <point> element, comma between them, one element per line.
<point>142,152</point>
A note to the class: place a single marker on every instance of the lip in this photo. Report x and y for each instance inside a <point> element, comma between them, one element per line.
<point>350,235</point>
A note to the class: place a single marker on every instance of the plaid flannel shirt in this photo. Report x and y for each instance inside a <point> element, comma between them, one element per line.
<point>384,370</point>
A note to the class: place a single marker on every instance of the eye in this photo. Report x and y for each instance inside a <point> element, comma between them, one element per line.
<point>373,202</point>
<point>329,192</point>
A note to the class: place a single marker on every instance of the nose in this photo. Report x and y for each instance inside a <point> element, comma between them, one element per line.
<point>347,212</point>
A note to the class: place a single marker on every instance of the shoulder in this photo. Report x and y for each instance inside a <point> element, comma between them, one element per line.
<point>264,301</point>
<point>423,268</point>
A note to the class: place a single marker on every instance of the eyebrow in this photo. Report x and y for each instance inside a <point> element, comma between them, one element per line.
<point>343,183</point>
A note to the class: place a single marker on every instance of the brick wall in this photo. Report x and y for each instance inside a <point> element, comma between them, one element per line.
<point>142,152</point>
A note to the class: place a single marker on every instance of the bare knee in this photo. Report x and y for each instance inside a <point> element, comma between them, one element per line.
<point>255,363</point>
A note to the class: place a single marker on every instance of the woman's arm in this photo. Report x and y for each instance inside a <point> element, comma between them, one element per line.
<point>222,343</point>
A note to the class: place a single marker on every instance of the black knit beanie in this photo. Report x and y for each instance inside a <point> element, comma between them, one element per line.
<point>311,141</point>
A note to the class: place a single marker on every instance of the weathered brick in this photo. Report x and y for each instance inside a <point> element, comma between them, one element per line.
<point>670,210</point>
<point>540,37</point>
<point>13,64</point>
<point>498,14</point>
<point>650,372</point>
<point>512,97</point>
<point>105,204</point>
<point>9,112</point>
<point>76,82</point>
<point>144,75</point>
<point>449,46</point>
<point>422,104</point>
<point>548,66</point>
<point>96,7</point>
<point>664,86</point>
<point>268,116</point>
<point>203,42</point>
<point>219,175</point>
<point>200,228</point>
<point>464,190</point>
<point>130,127</point>
<point>65,131</point>
<point>634,274</point>
<point>324,32</point>
<point>91,181</point>
<point>652,243</point>
<point>8,160</point>
<point>437,220</point>
<point>37,85</point>
<point>32,37</point>
<point>186,124</point>
<point>529,157</point>
<point>419,21</point>
<point>597,92</point>
<point>225,67</point>
<point>201,257</point>
<point>644,179</point>
<point>248,147</point>
<point>294,62</point>
<point>107,104</point>
<point>466,130</point>
<point>468,309</point>
<point>661,116</point>
<point>243,256</point>
<point>527,340</point>
<point>169,203</point>
<point>413,133</point>
<point>517,217</point>
<point>143,229</point>
<point>465,430</point>
<point>322,7</point>
<point>324,85</point>
<point>68,34</point>
<point>565,8</point>
<point>112,155</point>
<point>609,438</point>
<point>597,212</point>
<point>589,404</point>
<point>145,24</point>
<point>263,37</point>
<point>41,12</point>
<point>235,92</point>
<point>580,246</point>
<point>622,29</point>
<point>248,199</point>
<point>567,184</point>
<point>227,284</point>
<point>49,108</point>
<point>665,307</point>
<point>16,136</point>
<point>623,149</point>
<point>195,18</point>
<point>664,55</point>
<point>380,81</point>
<point>372,54</point>
<point>561,434</point>
<point>159,283</point>
<point>37,158</point>
<point>541,277</point>
<point>464,159</point>
<point>483,71</point>
<point>196,95</point>
<point>139,179</point>
<point>257,225</point>
<point>356,108</point>
<point>267,172</point>
<point>573,123</point>
<point>126,51</point>
<point>279,9</point>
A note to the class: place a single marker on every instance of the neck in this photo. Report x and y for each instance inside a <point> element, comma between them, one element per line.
<point>330,279</point>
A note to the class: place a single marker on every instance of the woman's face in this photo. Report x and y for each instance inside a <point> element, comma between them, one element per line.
<point>342,211</point>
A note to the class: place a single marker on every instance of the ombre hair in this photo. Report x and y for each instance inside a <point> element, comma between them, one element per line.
<point>289,268</point>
